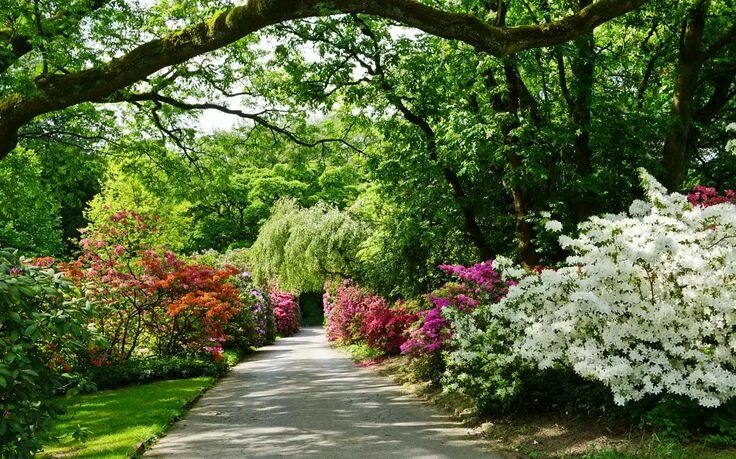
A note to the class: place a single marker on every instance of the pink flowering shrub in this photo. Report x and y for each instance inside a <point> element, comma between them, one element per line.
<point>354,315</point>
<point>434,331</point>
<point>344,312</point>
<point>705,196</point>
<point>286,312</point>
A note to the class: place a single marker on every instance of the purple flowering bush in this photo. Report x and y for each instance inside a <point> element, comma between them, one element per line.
<point>479,282</point>
<point>254,325</point>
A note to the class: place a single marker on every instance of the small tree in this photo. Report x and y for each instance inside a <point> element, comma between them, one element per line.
<point>301,248</point>
<point>148,294</point>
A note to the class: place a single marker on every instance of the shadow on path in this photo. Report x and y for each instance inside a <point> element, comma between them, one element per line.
<point>300,398</point>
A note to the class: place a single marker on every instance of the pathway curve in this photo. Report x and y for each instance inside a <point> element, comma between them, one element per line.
<point>301,398</point>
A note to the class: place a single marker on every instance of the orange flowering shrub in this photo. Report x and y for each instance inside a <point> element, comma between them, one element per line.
<point>149,297</point>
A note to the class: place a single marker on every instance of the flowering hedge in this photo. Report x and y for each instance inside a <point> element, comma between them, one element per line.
<point>385,327</point>
<point>645,305</point>
<point>286,312</point>
<point>344,310</point>
<point>354,315</point>
<point>148,297</point>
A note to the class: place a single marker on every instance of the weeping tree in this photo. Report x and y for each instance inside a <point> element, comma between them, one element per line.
<point>301,248</point>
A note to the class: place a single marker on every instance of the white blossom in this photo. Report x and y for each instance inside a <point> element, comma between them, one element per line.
<point>646,303</point>
<point>553,226</point>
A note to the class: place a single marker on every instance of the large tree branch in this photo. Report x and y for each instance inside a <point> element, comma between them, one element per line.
<point>256,118</point>
<point>56,92</point>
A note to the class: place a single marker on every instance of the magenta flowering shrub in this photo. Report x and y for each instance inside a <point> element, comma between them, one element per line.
<point>705,196</point>
<point>344,312</point>
<point>434,331</point>
<point>354,315</point>
<point>286,311</point>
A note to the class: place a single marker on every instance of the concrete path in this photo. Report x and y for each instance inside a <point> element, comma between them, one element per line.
<point>300,398</point>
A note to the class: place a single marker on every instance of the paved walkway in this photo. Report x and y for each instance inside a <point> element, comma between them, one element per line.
<point>300,398</point>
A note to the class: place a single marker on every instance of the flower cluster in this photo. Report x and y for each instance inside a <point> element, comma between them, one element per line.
<point>385,327</point>
<point>434,332</point>
<point>355,315</point>
<point>286,311</point>
<point>705,196</point>
<point>344,309</point>
<point>645,304</point>
<point>148,296</point>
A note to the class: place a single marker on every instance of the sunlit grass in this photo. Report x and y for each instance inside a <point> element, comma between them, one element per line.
<point>119,420</point>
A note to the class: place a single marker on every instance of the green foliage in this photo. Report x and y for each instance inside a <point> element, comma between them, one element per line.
<point>29,213</point>
<point>361,352</point>
<point>123,191</point>
<point>146,370</point>
<point>310,304</point>
<point>42,329</point>
<point>301,248</point>
<point>679,419</point>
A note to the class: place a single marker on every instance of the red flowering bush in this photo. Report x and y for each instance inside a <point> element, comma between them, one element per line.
<point>354,315</point>
<point>385,328</point>
<point>705,196</point>
<point>147,296</point>
<point>286,312</point>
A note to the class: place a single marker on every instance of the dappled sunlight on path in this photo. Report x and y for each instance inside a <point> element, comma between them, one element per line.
<point>301,398</point>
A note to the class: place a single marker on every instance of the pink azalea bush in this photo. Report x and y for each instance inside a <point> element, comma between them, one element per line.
<point>434,331</point>
<point>344,311</point>
<point>384,327</point>
<point>286,312</point>
<point>705,196</point>
<point>355,315</point>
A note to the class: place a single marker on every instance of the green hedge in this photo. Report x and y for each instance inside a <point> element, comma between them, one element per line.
<point>142,371</point>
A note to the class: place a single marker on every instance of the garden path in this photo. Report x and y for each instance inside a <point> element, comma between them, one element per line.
<point>301,398</point>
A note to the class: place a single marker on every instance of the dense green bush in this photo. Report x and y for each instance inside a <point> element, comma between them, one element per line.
<point>142,371</point>
<point>42,328</point>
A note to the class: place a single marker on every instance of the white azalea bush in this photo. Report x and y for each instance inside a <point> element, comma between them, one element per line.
<point>646,305</point>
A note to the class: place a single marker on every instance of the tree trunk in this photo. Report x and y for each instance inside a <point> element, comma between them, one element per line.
<point>680,136</point>
<point>516,90</point>
<point>583,67</point>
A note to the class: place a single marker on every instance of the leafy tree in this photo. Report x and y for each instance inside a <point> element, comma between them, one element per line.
<point>53,54</point>
<point>122,191</point>
<point>29,213</point>
<point>301,248</point>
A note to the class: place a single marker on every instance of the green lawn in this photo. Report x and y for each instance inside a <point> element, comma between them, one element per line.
<point>119,420</point>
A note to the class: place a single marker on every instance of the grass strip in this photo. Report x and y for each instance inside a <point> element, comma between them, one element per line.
<point>121,422</point>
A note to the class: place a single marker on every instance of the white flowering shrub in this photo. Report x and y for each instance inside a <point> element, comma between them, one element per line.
<point>646,305</point>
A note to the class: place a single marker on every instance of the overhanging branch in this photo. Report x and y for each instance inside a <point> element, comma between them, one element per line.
<point>257,118</point>
<point>58,91</point>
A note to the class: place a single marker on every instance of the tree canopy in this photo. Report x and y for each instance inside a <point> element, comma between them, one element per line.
<point>460,127</point>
